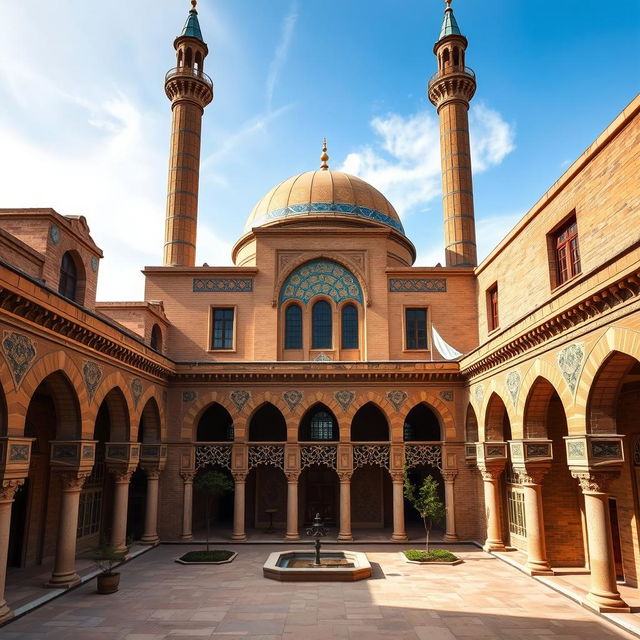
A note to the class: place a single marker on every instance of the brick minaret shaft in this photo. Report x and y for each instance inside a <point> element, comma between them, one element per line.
<point>190,91</point>
<point>451,90</point>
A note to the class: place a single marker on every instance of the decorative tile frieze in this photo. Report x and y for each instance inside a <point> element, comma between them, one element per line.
<point>447,396</point>
<point>321,277</point>
<point>415,455</point>
<point>417,285</point>
<point>376,455</point>
<point>293,398</point>
<point>322,357</point>
<point>344,398</point>
<point>240,398</point>
<point>92,375</point>
<point>137,389</point>
<point>321,455</point>
<point>593,450</point>
<point>266,454</point>
<point>576,450</point>
<point>222,285</point>
<point>397,398</point>
<point>513,385</point>
<point>20,351</point>
<point>569,363</point>
<point>213,455</point>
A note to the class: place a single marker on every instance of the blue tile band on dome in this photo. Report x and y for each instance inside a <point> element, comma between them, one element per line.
<point>222,285</point>
<point>321,277</point>
<point>343,208</point>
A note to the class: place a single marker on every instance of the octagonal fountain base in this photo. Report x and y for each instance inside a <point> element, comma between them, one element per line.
<point>298,566</point>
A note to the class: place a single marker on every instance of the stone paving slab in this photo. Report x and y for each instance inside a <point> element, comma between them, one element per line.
<point>160,600</point>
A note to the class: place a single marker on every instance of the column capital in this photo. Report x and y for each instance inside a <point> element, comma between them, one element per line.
<point>490,473</point>
<point>449,475</point>
<point>73,480</point>
<point>8,489</point>
<point>531,474</point>
<point>397,476</point>
<point>188,476</point>
<point>152,474</point>
<point>592,481</point>
<point>345,476</point>
<point>120,475</point>
<point>239,476</point>
<point>292,476</point>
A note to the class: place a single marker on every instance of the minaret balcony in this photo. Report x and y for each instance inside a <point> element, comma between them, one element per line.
<point>451,71</point>
<point>189,72</point>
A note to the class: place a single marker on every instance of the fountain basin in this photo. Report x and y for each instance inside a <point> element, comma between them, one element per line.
<point>298,566</point>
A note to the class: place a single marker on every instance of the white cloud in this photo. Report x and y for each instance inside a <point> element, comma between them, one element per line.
<point>282,51</point>
<point>405,162</point>
<point>491,230</point>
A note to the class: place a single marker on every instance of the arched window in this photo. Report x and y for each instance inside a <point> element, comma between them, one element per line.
<point>156,338</point>
<point>456,56</point>
<point>321,325</point>
<point>322,426</point>
<point>198,64</point>
<point>68,277</point>
<point>293,327</point>
<point>189,58</point>
<point>445,58</point>
<point>349,327</point>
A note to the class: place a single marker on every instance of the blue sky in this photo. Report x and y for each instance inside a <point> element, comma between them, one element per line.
<point>84,124</point>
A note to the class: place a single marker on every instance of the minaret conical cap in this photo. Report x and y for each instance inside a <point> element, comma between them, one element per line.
<point>449,25</point>
<point>192,25</point>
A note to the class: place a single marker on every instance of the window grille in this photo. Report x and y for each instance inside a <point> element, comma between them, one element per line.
<point>517,521</point>
<point>321,426</point>
<point>90,507</point>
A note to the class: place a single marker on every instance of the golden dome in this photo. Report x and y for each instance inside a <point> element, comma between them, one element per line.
<point>324,194</point>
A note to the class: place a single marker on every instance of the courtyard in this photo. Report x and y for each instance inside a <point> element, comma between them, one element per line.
<point>481,598</point>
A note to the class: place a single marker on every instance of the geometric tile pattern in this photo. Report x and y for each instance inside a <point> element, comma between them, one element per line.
<point>321,277</point>
<point>417,285</point>
<point>222,285</point>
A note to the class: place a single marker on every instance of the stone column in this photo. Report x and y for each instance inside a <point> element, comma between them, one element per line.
<point>150,535</point>
<point>187,504</point>
<point>64,569</point>
<point>603,594</point>
<point>491,478</point>
<point>345,506</point>
<point>399,532</point>
<point>122,478</point>
<point>531,483</point>
<point>292,506</point>
<point>449,478</point>
<point>240,479</point>
<point>7,492</point>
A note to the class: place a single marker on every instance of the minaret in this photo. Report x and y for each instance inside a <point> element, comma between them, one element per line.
<point>190,91</point>
<point>451,90</point>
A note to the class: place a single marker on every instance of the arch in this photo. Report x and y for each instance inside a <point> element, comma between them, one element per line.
<point>66,406</point>
<point>215,425</point>
<point>72,277</point>
<point>456,56</point>
<point>369,424</point>
<point>349,329</point>
<point>497,426</point>
<point>119,416</point>
<point>321,325</point>
<point>293,326</point>
<point>150,429</point>
<point>155,341</point>
<point>180,58</point>
<point>536,408</point>
<point>199,406</point>
<point>445,58</point>
<point>318,424</point>
<point>150,392</point>
<point>198,61</point>
<point>267,424</point>
<point>422,424</point>
<point>320,276</point>
<point>471,425</point>
<point>115,380</point>
<point>543,369</point>
<point>188,59</point>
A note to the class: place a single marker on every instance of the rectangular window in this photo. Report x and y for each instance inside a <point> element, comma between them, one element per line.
<point>566,251</point>
<point>222,333</point>
<point>415,321</point>
<point>90,507</point>
<point>493,319</point>
<point>517,522</point>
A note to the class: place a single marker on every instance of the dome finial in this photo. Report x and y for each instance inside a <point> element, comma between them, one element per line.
<point>324,158</point>
<point>193,5</point>
<point>448,4</point>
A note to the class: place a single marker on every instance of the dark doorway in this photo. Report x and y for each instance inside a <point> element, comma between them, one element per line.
<point>319,494</point>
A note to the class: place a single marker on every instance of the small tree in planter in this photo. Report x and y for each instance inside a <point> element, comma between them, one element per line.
<point>106,557</point>
<point>213,484</point>
<point>426,501</point>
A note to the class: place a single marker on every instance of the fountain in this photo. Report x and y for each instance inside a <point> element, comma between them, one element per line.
<point>335,566</point>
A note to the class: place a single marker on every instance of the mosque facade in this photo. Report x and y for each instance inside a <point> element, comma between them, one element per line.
<point>323,365</point>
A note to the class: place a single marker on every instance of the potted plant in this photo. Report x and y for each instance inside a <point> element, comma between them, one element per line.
<point>426,501</point>
<point>107,557</point>
<point>212,484</point>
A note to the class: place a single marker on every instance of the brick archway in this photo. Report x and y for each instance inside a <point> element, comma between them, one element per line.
<point>200,405</point>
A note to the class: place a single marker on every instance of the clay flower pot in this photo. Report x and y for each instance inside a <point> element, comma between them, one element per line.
<point>108,582</point>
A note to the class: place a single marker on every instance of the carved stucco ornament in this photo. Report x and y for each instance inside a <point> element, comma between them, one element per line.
<point>344,398</point>
<point>189,396</point>
<point>569,363</point>
<point>136,389</point>
<point>479,394</point>
<point>20,351</point>
<point>92,375</point>
<point>293,398</point>
<point>513,385</point>
<point>240,398</point>
<point>447,396</point>
<point>397,398</point>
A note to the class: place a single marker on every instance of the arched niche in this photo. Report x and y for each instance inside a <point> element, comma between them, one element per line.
<point>267,425</point>
<point>369,424</point>
<point>215,425</point>
<point>422,425</point>
<point>318,424</point>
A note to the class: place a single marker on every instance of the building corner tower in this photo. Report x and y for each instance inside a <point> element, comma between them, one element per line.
<point>450,91</point>
<point>190,91</point>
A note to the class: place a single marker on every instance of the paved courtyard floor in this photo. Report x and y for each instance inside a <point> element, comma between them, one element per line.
<point>482,598</point>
